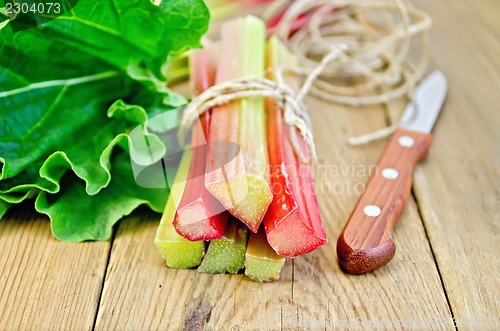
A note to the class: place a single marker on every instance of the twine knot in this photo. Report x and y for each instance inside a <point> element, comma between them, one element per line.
<point>294,111</point>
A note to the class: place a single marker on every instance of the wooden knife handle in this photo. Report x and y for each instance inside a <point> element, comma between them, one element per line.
<point>366,242</point>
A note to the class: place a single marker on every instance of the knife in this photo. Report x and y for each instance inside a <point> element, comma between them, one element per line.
<point>366,243</point>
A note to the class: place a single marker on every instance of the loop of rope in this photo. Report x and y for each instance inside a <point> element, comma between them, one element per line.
<point>294,111</point>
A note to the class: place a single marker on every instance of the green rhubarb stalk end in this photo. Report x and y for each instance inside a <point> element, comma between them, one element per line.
<point>228,253</point>
<point>178,252</point>
<point>262,264</point>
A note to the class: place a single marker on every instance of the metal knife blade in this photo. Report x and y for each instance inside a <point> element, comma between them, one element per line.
<point>422,112</point>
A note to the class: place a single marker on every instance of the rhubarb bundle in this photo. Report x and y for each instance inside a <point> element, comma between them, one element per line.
<point>241,191</point>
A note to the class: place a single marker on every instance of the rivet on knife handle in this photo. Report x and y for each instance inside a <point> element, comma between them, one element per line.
<point>366,242</point>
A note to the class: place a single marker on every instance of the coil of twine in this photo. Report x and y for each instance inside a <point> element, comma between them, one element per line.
<point>371,40</point>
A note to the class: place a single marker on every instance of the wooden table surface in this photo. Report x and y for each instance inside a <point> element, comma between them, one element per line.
<point>447,262</point>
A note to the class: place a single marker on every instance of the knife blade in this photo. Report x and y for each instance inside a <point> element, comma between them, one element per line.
<point>366,243</point>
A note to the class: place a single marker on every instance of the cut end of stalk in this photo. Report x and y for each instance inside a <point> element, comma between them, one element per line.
<point>262,264</point>
<point>263,271</point>
<point>245,197</point>
<point>228,253</point>
<point>181,254</point>
<point>292,237</point>
<point>178,252</point>
<point>194,222</point>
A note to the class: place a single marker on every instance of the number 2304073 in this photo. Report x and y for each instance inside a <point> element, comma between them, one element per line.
<point>35,8</point>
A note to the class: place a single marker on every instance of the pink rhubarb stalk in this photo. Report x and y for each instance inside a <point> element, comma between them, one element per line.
<point>237,173</point>
<point>199,215</point>
<point>296,25</point>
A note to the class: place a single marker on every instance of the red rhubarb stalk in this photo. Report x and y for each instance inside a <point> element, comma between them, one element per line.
<point>296,25</point>
<point>199,215</point>
<point>293,224</point>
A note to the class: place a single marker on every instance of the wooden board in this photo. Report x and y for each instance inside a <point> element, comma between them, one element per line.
<point>141,293</point>
<point>458,187</point>
<point>486,13</point>
<point>46,284</point>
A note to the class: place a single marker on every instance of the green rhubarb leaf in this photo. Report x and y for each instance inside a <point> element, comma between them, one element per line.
<point>76,216</point>
<point>37,123</point>
<point>55,78</point>
<point>142,154</point>
<point>97,35</point>
<point>87,154</point>
<point>29,183</point>
<point>58,80</point>
<point>4,206</point>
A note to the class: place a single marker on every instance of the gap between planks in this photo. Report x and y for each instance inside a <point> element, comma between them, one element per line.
<point>433,255</point>
<point>113,234</point>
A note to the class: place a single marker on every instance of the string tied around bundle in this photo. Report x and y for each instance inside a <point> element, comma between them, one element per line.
<point>295,114</point>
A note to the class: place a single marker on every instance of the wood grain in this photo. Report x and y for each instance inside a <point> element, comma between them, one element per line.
<point>458,186</point>
<point>366,243</point>
<point>46,284</point>
<point>486,12</point>
<point>142,293</point>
